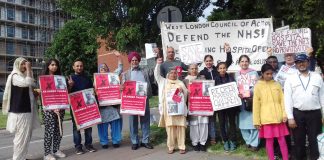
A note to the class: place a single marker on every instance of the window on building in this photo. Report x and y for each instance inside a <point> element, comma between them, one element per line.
<point>56,23</point>
<point>13,1</point>
<point>43,37</point>
<point>44,21</point>
<point>31,18</point>
<point>32,50</point>
<point>32,3</point>
<point>10,31</point>
<point>25,50</point>
<point>24,16</point>
<point>10,14</point>
<point>24,33</point>
<point>32,34</point>
<point>24,2</point>
<point>10,48</point>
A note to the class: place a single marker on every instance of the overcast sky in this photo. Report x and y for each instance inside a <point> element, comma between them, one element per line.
<point>207,11</point>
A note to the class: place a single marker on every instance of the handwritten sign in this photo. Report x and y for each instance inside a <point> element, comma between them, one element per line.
<point>247,36</point>
<point>199,99</point>
<point>291,41</point>
<point>54,93</point>
<point>192,53</point>
<point>224,96</point>
<point>84,108</point>
<point>107,88</point>
<point>134,98</point>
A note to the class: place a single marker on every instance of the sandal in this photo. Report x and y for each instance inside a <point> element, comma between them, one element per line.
<point>213,141</point>
<point>170,151</point>
<point>182,151</point>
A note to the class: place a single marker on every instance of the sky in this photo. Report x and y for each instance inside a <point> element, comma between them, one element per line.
<point>207,11</point>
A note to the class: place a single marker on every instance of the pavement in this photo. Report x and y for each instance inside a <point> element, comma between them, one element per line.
<point>36,151</point>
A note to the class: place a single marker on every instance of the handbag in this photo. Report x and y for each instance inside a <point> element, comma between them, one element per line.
<point>248,104</point>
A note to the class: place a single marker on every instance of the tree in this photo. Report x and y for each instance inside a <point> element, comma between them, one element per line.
<point>297,14</point>
<point>74,41</point>
<point>132,22</point>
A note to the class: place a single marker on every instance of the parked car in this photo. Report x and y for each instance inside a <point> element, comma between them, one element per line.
<point>1,96</point>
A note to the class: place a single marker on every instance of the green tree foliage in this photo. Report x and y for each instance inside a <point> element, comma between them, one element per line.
<point>74,41</point>
<point>297,14</point>
<point>133,22</point>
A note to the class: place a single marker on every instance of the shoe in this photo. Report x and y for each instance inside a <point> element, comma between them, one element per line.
<point>213,141</point>
<point>79,151</point>
<point>232,146</point>
<point>116,145</point>
<point>226,146</point>
<point>105,146</point>
<point>59,154</point>
<point>247,146</point>
<point>196,148</point>
<point>49,157</point>
<point>147,145</point>
<point>90,148</point>
<point>134,146</point>
<point>182,151</point>
<point>254,149</point>
<point>202,148</point>
<point>170,151</point>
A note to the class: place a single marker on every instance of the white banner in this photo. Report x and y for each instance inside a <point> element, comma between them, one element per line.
<point>250,36</point>
<point>291,41</point>
<point>224,96</point>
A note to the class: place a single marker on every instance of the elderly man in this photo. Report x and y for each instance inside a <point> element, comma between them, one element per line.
<point>171,63</point>
<point>304,99</point>
<point>136,73</point>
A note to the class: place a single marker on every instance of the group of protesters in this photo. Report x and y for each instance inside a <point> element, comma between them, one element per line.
<point>281,110</point>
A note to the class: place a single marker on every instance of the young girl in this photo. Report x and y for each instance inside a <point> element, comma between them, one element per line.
<point>107,111</point>
<point>175,124</point>
<point>226,116</point>
<point>52,137</point>
<point>269,114</point>
<point>246,79</point>
<point>198,124</point>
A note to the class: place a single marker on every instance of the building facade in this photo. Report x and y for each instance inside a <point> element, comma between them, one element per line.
<point>27,28</point>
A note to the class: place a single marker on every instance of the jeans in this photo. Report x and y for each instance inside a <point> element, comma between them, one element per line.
<point>77,136</point>
<point>115,131</point>
<point>212,126</point>
<point>145,126</point>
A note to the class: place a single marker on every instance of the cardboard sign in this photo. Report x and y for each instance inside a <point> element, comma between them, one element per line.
<point>107,87</point>
<point>54,92</point>
<point>134,98</point>
<point>199,99</point>
<point>224,96</point>
<point>84,108</point>
<point>291,41</point>
<point>251,37</point>
<point>175,108</point>
<point>150,50</point>
<point>192,53</point>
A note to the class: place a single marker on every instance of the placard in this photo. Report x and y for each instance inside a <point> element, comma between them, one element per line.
<point>224,96</point>
<point>134,98</point>
<point>84,108</point>
<point>199,99</point>
<point>291,41</point>
<point>175,108</point>
<point>150,50</point>
<point>192,53</point>
<point>54,93</point>
<point>107,87</point>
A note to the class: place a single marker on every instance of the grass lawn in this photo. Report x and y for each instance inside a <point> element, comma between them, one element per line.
<point>154,101</point>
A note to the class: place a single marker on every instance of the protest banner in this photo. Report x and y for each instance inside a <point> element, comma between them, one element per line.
<point>199,99</point>
<point>54,94</point>
<point>192,53</point>
<point>175,106</point>
<point>291,41</point>
<point>251,37</point>
<point>283,73</point>
<point>134,98</point>
<point>150,50</point>
<point>224,96</point>
<point>84,108</point>
<point>107,88</point>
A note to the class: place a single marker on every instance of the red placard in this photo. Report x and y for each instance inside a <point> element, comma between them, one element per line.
<point>134,98</point>
<point>84,108</point>
<point>107,88</point>
<point>54,93</point>
<point>199,100</point>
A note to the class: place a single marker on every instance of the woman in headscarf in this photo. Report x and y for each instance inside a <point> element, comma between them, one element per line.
<point>107,112</point>
<point>21,108</point>
<point>175,124</point>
